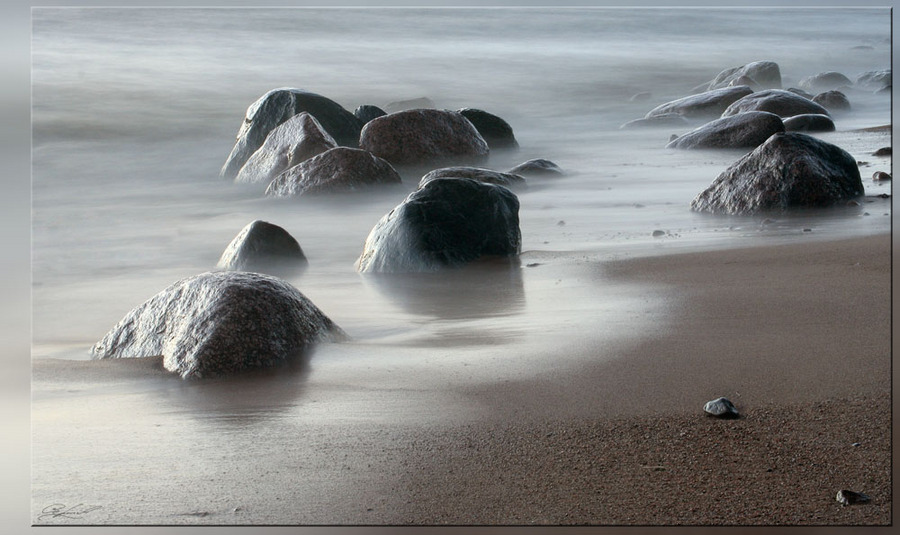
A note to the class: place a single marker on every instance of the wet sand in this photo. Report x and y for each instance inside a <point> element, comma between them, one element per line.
<point>797,336</point>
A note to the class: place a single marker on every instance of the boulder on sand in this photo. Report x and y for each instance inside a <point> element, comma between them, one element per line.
<point>745,130</point>
<point>264,248</point>
<point>487,176</point>
<point>337,170</point>
<point>299,138</point>
<point>423,136</point>
<point>496,132</point>
<point>447,223</point>
<point>781,103</point>
<point>789,170</point>
<point>220,322</point>
<point>704,105</point>
<point>276,107</point>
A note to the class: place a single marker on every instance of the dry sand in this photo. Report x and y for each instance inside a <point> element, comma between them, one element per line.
<point>798,336</point>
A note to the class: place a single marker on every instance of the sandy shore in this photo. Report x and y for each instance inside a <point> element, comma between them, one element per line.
<point>797,336</point>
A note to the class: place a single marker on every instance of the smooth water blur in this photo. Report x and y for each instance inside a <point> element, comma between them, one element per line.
<point>135,111</point>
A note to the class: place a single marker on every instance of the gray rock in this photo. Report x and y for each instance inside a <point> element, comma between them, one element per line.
<point>825,81</point>
<point>480,174</point>
<point>416,137</point>
<point>721,408</point>
<point>809,122</point>
<point>337,170</point>
<point>447,223</point>
<point>663,120</point>
<point>849,497</point>
<point>874,80</point>
<point>299,138</point>
<point>745,130</point>
<point>777,101</point>
<point>765,74</point>
<point>264,248</point>
<point>704,105</point>
<point>537,167</point>
<point>276,107</point>
<point>789,170</point>
<point>832,100</point>
<point>496,132</point>
<point>367,112</point>
<point>218,323</point>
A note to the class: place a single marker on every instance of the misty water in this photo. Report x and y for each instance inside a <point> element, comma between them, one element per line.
<point>135,111</point>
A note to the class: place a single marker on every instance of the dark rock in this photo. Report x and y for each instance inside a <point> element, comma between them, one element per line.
<point>809,122</point>
<point>663,120</point>
<point>264,248</point>
<point>299,138</point>
<point>341,169</point>
<point>787,171</point>
<point>367,112</point>
<point>721,408</point>
<point>537,167</point>
<point>744,130</point>
<point>849,497</point>
<point>825,81</point>
<point>486,176</point>
<point>832,100</point>
<point>777,101</point>
<point>276,107</point>
<point>765,74</point>
<point>879,176</point>
<point>411,104</point>
<point>874,80</point>
<point>447,223</point>
<point>658,233</point>
<point>704,105</point>
<point>496,132</point>
<point>883,151</point>
<point>415,137</point>
<point>219,322</point>
<point>800,92</point>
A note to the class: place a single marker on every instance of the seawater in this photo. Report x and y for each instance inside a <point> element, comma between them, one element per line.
<point>136,109</point>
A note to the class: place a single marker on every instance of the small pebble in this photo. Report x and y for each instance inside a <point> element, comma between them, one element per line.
<point>659,233</point>
<point>849,497</point>
<point>721,408</point>
<point>807,230</point>
<point>855,444</point>
<point>561,223</point>
<point>884,151</point>
<point>878,176</point>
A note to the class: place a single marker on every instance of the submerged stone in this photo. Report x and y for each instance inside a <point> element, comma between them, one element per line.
<point>265,248</point>
<point>809,122</point>
<point>480,174</point>
<point>537,167</point>
<point>777,101</point>
<point>338,170</point>
<point>765,74</point>
<point>496,132</point>
<point>745,130</point>
<point>704,105</point>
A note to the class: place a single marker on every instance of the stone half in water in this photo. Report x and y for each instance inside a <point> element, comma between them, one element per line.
<point>218,323</point>
<point>263,247</point>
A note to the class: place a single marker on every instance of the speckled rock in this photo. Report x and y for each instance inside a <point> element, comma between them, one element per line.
<point>367,112</point>
<point>447,223</point>
<point>789,170</point>
<point>825,81</point>
<point>704,105</point>
<point>663,120</point>
<point>299,138</point>
<point>421,136</point>
<point>264,248</point>
<point>777,101</point>
<point>721,408</point>
<point>766,74</point>
<point>496,132</point>
<point>745,130</point>
<point>341,169</point>
<point>832,100</point>
<point>276,107</point>
<point>480,174</point>
<point>809,122</point>
<point>537,167</point>
<point>218,323</point>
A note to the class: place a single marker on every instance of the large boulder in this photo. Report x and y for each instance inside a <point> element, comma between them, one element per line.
<point>496,132</point>
<point>423,136</point>
<point>704,105</point>
<point>447,223</point>
<point>777,101</point>
<point>276,107</point>
<point>337,170</point>
<point>825,81</point>
<point>874,80</point>
<point>487,176</point>
<point>832,100</point>
<point>745,130</point>
<point>537,167</point>
<point>765,74</point>
<point>265,248</point>
<point>219,322</point>
<point>809,122</point>
<point>299,138</point>
<point>789,170</point>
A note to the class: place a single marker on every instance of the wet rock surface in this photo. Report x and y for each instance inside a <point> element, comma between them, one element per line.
<point>265,248</point>
<point>218,323</point>
<point>299,138</point>
<point>789,170</point>
<point>480,174</point>
<point>832,100</point>
<point>745,130</point>
<point>341,169</point>
<point>809,122</point>
<point>496,132</point>
<point>447,223</point>
<point>367,112</point>
<point>777,101</point>
<point>708,104</point>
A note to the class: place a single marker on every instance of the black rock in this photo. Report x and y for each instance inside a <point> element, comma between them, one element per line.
<point>883,151</point>
<point>704,105</point>
<point>480,174</point>
<point>745,130</point>
<point>789,170</point>
<point>341,169</point>
<point>220,322</point>
<point>880,176</point>
<point>447,223</point>
<point>497,132</point>
<point>832,100</point>
<point>367,112</point>
<point>537,167</point>
<point>264,248</point>
<point>721,408</point>
<point>777,101</point>
<point>299,138</point>
<point>276,107</point>
<point>809,122</point>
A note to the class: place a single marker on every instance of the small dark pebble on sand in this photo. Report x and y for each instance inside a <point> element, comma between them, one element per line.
<point>659,233</point>
<point>879,176</point>
<point>849,497</point>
